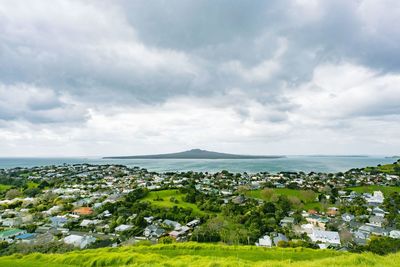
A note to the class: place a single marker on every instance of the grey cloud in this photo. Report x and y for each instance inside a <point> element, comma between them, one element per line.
<point>104,54</point>
<point>92,52</point>
<point>22,102</point>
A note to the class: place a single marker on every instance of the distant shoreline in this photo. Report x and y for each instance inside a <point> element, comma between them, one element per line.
<point>196,154</point>
<point>163,157</point>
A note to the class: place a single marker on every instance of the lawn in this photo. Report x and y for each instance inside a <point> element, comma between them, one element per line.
<point>4,187</point>
<point>386,168</point>
<point>31,184</point>
<point>300,194</point>
<point>386,190</point>
<point>194,254</point>
<point>163,199</point>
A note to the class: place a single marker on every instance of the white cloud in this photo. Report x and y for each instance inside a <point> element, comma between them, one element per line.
<point>122,77</point>
<point>38,105</point>
<point>347,91</point>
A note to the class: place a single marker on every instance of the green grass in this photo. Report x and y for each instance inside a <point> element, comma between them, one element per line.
<point>166,195</point>
<point>386,168</point>
<point>194,254</point>
<point>286,192</point>
<point>31,184</point>
<point>386,190</point>
<point>4,187</point>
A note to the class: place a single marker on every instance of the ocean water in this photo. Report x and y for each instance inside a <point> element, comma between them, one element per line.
<point>290,163</point>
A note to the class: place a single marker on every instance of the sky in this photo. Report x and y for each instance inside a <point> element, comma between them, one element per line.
<point>119,77</point>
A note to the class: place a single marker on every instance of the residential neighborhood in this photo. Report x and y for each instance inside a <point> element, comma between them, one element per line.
<point>86,206</point>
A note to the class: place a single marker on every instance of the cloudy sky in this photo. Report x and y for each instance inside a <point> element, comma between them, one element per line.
<point>93,78</point>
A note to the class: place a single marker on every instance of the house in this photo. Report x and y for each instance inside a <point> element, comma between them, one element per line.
<point>53,210</point>
<point>307,228</point>
<point>149,219</point>
<point>238,200</point>
<point>83,211</point>
<point>378,212</point>
<point>11,233</point>
<point>153,231</point>
<point>361,235</point>
<point>332,211</point>
<point>370,229</point>
<point>287,221</point>
<point>43,229</point>
<point>58,221</point>
<point>330,237</point>
<point>12,222</point>
<point>193,223</point>
<point>226,193</point>
<point>264,241</point>
<point>26,238</point>
<point>395,234</point>
<point>173,224</point>
<point>86,223</point>
<point>179,233</point>
<point>347,217</point>
<point>279,238</point>
<point>376,199</point>
<point>123,227</point>
<point>79,241</point>
<point>105,214</point>
<point>317,220</point>
<point>376,221</point>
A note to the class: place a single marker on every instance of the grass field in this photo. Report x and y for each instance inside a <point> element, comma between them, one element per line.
<point>289,193</point>
<point>193,254</point>
<point>4,187</point>
<point>166,195</point>
<point>386,190</point>
<point>386,168</point>
<point>31,184</point>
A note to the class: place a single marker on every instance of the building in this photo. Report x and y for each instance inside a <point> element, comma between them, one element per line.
<point>79,241</point>
<point>83,211</point>
<point>172,224</point>
<point>123,227</point>
<point>287,221</point>
<point>264,241</point>
<point>329,237</point>
<point>395,234</point>
<point>376,199</point>
<point>7,235</point>
<point>376,221</point>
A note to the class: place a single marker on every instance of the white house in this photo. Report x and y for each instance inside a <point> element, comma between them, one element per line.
<point>265,241</point>
<point>395,234</point>
<point>122,227</point>
<point>330,237</point>
<point>376,199</point>
<point>347,217</point>
<point>79,241</point>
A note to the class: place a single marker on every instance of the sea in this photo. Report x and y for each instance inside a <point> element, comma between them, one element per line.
<point>273,165</point>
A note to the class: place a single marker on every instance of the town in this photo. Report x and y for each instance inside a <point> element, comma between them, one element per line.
<point>62,208</point>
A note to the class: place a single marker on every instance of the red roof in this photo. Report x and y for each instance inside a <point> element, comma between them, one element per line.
<point>84,211</point>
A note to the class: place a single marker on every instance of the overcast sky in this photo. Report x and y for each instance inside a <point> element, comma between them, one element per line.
<point>94,78</point>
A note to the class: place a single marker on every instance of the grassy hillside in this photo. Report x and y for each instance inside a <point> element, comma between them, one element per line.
<point>300,194</point>
<point>4,187</point>
<point>193,254</point>
<point>386,190</point>
<point>393,168</point>
<point>163,199</point>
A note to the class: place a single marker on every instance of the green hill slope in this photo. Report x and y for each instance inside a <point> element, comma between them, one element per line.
<point>193,254</point>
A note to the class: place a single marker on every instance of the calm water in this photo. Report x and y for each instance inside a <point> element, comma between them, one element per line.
<point>291,163</point>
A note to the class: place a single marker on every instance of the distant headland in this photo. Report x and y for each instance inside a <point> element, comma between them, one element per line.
<point>196,154</point>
